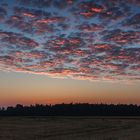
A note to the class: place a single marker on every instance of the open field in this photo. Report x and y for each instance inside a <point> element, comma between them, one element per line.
<point>69,128</point>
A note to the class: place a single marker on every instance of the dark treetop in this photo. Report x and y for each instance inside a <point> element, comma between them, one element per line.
<point>77,109</point>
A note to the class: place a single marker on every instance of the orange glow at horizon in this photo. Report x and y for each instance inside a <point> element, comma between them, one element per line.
<point>36,89</point>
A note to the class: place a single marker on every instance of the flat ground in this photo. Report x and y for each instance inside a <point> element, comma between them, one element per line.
<point>69,128</point>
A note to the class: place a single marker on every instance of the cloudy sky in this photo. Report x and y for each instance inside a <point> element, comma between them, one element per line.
<point>69,51</point>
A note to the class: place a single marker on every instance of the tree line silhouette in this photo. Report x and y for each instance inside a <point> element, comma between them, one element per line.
<point>77,109</point>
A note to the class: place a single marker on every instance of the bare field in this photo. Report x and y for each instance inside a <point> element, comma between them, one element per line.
<point>69,128</point>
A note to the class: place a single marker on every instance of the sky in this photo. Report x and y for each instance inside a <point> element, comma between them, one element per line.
<point>70,51</point>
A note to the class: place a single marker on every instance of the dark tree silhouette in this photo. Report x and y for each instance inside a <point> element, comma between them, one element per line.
<point>77,109</point>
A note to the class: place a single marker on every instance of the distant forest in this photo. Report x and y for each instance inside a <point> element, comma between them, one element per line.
<point>77,109</point>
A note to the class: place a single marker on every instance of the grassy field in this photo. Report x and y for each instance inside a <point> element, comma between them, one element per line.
<point>69,128</point>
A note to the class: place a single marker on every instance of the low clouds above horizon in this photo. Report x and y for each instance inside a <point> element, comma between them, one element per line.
<point>83,39</point>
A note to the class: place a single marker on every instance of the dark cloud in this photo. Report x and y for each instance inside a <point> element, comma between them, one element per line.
<point>93,40</point>
<point>122,37</point>
<point>133,22</point>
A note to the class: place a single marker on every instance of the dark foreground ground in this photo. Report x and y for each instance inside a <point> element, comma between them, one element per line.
<point>69,128</point>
